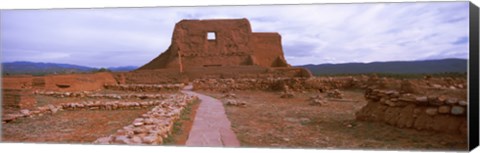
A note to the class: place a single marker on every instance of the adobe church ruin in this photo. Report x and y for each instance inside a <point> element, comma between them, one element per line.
<point>224,48</point>
<point>214,43</point>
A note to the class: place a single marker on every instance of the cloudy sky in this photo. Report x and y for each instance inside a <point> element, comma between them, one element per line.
<point>311,34</point>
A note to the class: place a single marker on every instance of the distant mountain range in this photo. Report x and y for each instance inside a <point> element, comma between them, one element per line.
<point>396,67</point>
<point>34,68</point>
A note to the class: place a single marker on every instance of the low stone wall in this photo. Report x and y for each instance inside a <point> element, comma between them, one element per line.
<point>152,127</point>
<point>275,84</point>
<point>90,105</point>
<point>405,110</point>
<point>248,84</point>
<point>145,87</point>
<point>97,95</point>
<point>60,82</point>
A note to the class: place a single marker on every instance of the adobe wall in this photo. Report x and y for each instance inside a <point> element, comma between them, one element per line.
<point>162,76</point>
<point>267,50</point>
<point>16,99</point>
<point>64,82</point>
<point>234,45</point>
<point>17,82</point>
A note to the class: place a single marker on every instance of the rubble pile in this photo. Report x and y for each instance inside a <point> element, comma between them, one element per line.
<point>317,100</point>
<point>230,99</point>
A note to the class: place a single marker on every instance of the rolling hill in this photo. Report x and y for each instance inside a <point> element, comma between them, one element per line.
<point>34,68</point>
<point>396,67</point>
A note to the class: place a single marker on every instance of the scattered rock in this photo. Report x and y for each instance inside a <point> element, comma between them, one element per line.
<point>422,99</point>
<point>318,102</point>
<point>451,101</point>
<point>25,112</point>
<point>442,98</point>
<point>407,98</point>
<point>230,95</point>
<point>287,95</point>
<point>151,139</point>
<point>52,109</point>
<point>431,111</point>
<point>335,94</point>
<point>458,110</point>
<point>121,139</point>
<point>103,140</point>
<point>233,102</point>
<point>444,109</point>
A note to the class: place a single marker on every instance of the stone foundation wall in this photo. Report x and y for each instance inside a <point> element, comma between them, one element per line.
<point>151,128</point>
<point>97,95</point>
<point>145,87</point>
<point>277,83</point>
<point>405,110</point>
<point>248,84</point>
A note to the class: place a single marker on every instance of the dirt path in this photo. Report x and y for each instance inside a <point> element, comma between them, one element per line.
<point>211,127</point>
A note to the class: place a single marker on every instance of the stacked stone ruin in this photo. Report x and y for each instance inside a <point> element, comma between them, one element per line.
<point>421,112</point>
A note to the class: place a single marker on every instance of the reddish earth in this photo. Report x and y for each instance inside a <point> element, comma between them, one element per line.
<point>83,126</point>
<point>68,126</point>
<point>180,136</point>
<point>266,121</point>
<point>270,121</point>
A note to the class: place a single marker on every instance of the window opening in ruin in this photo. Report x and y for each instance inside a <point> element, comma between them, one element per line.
<point>211,35</point>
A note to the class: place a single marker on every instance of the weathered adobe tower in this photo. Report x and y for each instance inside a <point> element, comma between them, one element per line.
<point>219,43</point>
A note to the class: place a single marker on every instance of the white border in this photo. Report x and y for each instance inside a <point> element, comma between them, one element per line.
<point>73,148</point>
<point>43,4</point>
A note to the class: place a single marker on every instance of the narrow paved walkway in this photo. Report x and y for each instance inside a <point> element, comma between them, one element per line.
<point>211,127</point>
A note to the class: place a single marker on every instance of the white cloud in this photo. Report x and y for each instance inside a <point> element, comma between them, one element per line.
<point>311,34</point>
